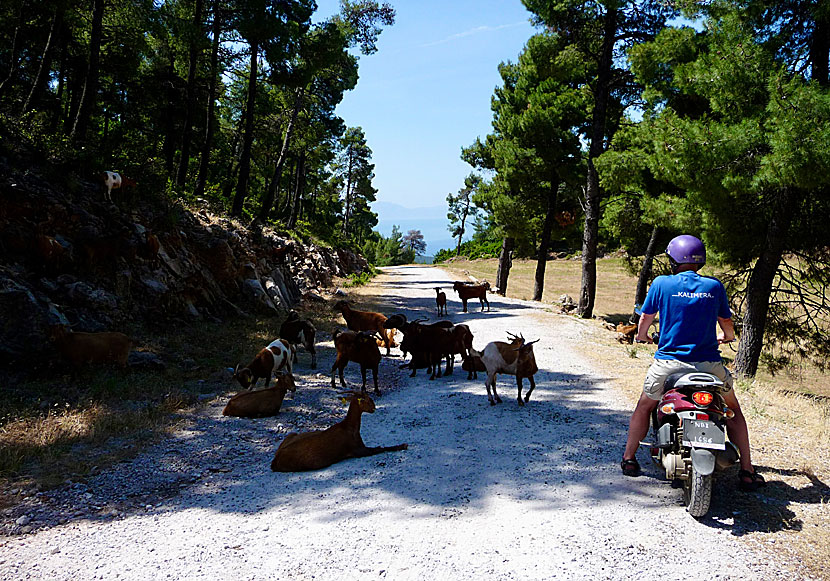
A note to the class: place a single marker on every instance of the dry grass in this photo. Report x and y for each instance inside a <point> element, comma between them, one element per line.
<point>788,417</point>
<point>61,426</point>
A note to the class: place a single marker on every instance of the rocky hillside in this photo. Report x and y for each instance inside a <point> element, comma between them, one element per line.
<point>68,257</point>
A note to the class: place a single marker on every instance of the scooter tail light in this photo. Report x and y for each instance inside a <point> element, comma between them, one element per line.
<point>728,413</point>
<point>667,408</point>
<point>702,398</point>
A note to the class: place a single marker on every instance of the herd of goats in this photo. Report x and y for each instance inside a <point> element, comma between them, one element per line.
<point>428,344</point>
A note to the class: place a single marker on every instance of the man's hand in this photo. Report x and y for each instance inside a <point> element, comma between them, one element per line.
<point>647,339</point>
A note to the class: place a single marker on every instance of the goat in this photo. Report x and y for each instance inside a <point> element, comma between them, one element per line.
<point>441,301</point>
<point>81,348</point>
<point>261,403</point>
<point>151,247</point>
<point>365,321</point>
<point>275,357</point>
<point>514,358</point>
<point>469,291</point>
<point>430,343</point>
<point>299,331</point>
<point>299,452</point>
<point>359,347</point>
<point>51,252</point>
<point>472,364</point>
<point>626,333</point>
<point>111,180</point>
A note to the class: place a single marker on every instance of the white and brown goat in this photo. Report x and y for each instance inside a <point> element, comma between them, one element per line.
<point>514,358</point>
<point>275,357</point>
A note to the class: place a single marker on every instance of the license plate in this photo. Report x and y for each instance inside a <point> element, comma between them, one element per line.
<point>703,434</point>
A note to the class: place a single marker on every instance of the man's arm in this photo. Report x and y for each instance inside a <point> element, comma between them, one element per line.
<point>642,328</point>
<point>728,330</point>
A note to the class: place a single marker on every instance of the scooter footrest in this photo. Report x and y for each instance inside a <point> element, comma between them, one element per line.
<point>653,445</point>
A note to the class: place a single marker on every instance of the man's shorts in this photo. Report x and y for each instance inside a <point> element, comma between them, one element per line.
<point>660,369</point>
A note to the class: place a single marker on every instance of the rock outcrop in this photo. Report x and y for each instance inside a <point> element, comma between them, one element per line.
<point>69,257</point>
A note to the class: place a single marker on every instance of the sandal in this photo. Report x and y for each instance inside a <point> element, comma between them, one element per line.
<point>630,467</point>
<point>749,481</point>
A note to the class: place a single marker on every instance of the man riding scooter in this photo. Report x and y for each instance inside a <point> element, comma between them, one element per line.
<point>689,305</point>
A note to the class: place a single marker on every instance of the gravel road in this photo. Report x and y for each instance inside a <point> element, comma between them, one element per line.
<point>503,492</point>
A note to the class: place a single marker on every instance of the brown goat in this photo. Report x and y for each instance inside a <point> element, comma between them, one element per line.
<point>261,403</point>
<point>360,348</point>
<point>472,291</point>
<point>514,358</point>
<point>440,301</point>
<point>81,348</point>
<point>364,321</point>
<point>275,357</point>
<point>299,452</point>
<point>472,365</point>
<point>626,333</point>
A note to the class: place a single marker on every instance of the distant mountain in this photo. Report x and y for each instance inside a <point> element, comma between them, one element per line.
<point>430,220</point>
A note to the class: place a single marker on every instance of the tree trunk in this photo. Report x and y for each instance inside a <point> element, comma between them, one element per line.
<point>61,108</point>
<point>820,48</point>
<point>248,139</point>
<point>544,243</point>
<point>190,98</point>
<point>590,235</point>
<point>299,187</point>
<point>505,262</point>
<point>168,147</point>
<point>14,53</point>
<point>348,204</point>
<point>759,288</point>
<point>90,90</point>
<point>204,161</point>
<point>268,202</point>
<point>45,61</point>
<point>645,274</point>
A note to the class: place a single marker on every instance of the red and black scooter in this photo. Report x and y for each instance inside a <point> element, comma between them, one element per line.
<point>689,426</point>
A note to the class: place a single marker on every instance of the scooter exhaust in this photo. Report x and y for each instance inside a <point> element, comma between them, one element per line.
<point>726,458</point>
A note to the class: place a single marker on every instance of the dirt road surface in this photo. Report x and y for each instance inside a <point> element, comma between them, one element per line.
<point>501,492</point>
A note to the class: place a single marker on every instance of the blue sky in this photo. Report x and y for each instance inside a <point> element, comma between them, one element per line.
<point>426,94</point>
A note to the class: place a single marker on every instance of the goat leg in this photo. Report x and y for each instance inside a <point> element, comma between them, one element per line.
<point>367,451</point>
<point>532,387</point>
<point>375,380</point>
<point>519,383</point>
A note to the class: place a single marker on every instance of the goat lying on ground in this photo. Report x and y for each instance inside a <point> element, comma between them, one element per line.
<point>358,347</point>
<point>319,449</point>
<point>440,301</point>
<point>299,331</point>
<point>470,291</point>
<point>365,321</point>
<point>275,357</point>
<point>514,358</point>
<point>81,348</point>
<point>261,403</point>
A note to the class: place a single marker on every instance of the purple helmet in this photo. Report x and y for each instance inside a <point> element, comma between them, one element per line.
<point>686,249</point>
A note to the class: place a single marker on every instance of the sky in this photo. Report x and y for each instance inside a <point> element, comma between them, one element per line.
<point>423,96</point>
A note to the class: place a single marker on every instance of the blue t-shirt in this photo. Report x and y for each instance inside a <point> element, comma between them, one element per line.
<point>689,305</point>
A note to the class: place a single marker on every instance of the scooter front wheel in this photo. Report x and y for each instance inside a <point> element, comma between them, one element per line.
<point>697,493</point>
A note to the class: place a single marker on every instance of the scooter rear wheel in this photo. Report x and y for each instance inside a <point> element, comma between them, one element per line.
<point>697,493</point>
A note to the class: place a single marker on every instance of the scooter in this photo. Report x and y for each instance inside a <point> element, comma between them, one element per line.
<point>689,428</point>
